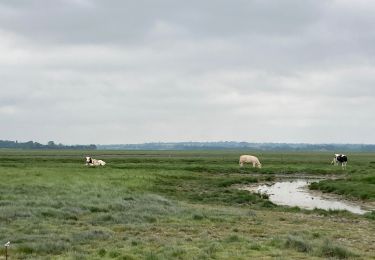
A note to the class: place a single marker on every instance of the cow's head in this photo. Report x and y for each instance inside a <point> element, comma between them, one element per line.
<point>88,159</point>
<point>259,165</point>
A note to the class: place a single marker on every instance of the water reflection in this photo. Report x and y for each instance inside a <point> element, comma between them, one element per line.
<point>296,193</point>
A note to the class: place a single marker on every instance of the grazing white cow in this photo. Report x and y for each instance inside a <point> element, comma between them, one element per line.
<point>250,159</point>
<point>93,162</point>
<point>340,159</point>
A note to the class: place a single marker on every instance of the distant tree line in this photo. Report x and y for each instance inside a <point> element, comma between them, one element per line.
<point>232,145</point>
<point>50,145</point>
<point>224,145</point>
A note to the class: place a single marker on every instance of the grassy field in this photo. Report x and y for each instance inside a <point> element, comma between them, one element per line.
<point>175,205</point>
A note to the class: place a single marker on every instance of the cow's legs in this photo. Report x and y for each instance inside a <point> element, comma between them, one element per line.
<point>343,165</point>
<point>335,162</point>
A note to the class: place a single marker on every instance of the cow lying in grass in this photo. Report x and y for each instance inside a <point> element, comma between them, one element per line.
<point>250,159</point>
<point>340,159</point>
<point>93,162</point>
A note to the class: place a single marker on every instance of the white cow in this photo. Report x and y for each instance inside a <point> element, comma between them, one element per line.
<point>250,159</point>
<point>93,162</point>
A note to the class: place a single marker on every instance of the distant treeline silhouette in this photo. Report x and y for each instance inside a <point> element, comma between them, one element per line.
<point>224,145</point>
<point>50,145</point>
<point>232,145</point>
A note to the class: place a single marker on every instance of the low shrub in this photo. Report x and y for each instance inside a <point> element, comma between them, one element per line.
<point>298,243</point>
<point>328,249</point>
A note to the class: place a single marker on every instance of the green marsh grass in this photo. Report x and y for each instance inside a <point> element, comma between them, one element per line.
<point>172,205</point>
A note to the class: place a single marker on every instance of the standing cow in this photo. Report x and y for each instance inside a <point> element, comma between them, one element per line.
<point>340,159</point>
<point>250,159</point>
<point>93,162</point>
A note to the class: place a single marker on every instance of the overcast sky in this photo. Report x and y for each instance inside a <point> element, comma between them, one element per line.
<point>93,71</point>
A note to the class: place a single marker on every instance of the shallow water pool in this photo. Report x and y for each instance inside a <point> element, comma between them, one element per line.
<point>296,193</point>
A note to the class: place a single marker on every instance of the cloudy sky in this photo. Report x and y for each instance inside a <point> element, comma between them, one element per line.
<point>119,71</point>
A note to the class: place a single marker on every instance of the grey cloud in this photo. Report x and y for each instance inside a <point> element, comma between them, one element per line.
<point>82,71</point>
<point>126,21</point>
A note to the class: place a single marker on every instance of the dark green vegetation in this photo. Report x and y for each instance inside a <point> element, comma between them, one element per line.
<point>355,186</point>
<point>172,205</point>
<point>358,183</point>
<point>50,145</point>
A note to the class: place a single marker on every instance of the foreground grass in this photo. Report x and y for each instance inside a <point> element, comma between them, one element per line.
<point>168,205</point>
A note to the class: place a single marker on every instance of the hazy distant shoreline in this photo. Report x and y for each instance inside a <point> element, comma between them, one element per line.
<point>221,145</point>
<point>240,146</point>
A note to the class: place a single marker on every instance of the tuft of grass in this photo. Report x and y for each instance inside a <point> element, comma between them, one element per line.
<point>328,249</point>
<point>134,243</point>
<point>127,257</point>
<point>232,239</point>
<point>90,235</point>
<point>298,243</point>
<point>102,252</point>
<point>255,246</point>
<point>209,251</point>
<point>311,243</point>
<point>114,254</point>
<point>45,248</point>
<point>370,215</point>
<point>198,217</point>
<point>151,256</point>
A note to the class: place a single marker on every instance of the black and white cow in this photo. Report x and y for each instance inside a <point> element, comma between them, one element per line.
<point>340,159</point>
<point>93,162</point>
